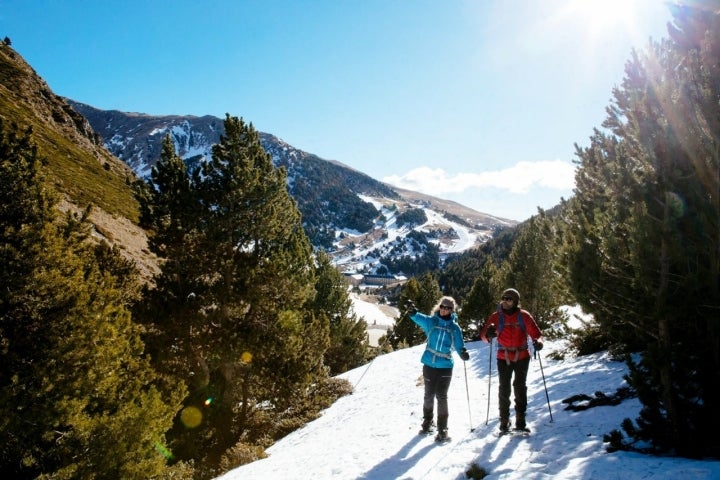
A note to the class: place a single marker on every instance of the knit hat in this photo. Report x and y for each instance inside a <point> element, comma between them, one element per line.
<point>511,292</point>
<point>448,302</point>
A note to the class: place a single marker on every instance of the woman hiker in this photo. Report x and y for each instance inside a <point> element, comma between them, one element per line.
<point>443,335</point>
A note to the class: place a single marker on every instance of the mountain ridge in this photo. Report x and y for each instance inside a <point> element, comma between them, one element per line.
<point>92,162</point>
<point>189,144</point>
<point>78,167</point>
<point>337,201</point>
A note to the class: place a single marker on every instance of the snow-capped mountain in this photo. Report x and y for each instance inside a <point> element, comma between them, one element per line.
<point>96,155</point>
<point>363,223</point>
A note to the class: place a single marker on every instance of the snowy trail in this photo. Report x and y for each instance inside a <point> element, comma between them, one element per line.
<point>372,434</point>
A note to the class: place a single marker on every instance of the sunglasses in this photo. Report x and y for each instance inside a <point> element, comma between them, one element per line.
<point>445,307</point>
<point>506,299</point>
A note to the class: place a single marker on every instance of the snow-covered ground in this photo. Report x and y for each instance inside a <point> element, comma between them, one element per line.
<point>466,238</point>
<point>366,245</point>
<point>378,317</point>
<point>373,433</point>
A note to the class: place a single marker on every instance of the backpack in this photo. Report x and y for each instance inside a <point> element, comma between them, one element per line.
<point>501,322</point>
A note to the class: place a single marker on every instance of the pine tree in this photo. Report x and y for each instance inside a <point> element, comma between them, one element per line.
<point>424,292</point>
<point>232,296</point>
<point>530,269</point>
<point>348,334</point>
<point>645,231</point>
<point>483,297</point>
<point>77,396</point>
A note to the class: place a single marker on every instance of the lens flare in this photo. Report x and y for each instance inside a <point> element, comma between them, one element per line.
<point>163,450</point>
<point>676,204</point>
<point>208,401</point>
<point>191,417</point>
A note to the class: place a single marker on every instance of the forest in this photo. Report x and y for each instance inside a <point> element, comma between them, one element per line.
<point>238,339</point>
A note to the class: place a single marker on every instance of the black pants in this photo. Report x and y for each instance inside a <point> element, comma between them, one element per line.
<point>519,385</point>
<point>437,384</point>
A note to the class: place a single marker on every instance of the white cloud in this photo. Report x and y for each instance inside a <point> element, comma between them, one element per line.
<point>517,179</point>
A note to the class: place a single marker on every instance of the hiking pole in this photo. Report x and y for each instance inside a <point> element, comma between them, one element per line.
<point>487,417</point>
<point>544,384</point>
<point>467,391</point>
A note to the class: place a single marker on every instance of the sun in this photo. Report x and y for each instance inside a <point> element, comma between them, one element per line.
<point>603,12</point>
<point>601,18</point>
<point>603,29</point>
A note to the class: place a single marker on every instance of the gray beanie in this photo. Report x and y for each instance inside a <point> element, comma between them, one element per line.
<point>511,292</point>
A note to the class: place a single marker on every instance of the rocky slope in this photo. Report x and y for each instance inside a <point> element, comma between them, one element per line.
<point>94,156</point>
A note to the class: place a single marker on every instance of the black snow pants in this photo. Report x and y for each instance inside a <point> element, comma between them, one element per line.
<point>437,384</point>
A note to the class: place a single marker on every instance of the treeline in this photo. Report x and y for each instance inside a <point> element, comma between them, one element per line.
<point>236,341</point>
<point>637,246</point>
<point>322,196</point>
<point>233,346</point>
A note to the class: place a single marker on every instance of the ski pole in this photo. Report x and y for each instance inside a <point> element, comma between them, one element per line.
<point>544,384</point>
<point>467,392</point>
<point>487,417</point>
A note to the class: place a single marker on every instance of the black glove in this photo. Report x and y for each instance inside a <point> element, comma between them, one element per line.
<point>491,332</point>
<point>411,308</point>
<point>464,354</point>
<point>537,345</point>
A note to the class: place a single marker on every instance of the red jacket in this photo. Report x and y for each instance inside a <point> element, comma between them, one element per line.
<point>512,341</point>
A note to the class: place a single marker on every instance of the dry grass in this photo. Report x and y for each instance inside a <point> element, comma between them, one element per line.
<point>121,232</point>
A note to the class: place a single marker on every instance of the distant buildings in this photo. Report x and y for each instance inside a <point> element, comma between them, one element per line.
<point>356,279</point>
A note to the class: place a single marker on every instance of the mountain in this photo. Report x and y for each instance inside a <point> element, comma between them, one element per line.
<point>573,403</point>
<point>94,156</point>
<point>340,205</point>
<point>80,168</point>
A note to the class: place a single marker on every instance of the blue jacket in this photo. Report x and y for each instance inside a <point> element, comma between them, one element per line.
<point>442,336</point>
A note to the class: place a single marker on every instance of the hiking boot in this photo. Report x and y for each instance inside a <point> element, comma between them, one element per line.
<point>504,425</point>
<point>442,436</point>
<point>427,423</point>
<point>520,423</point>
<point>442,422</point>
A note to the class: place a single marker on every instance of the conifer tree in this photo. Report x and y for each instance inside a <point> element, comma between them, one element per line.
<point>77,396</point>
<point>646,231</point>
<point>348,334</point>
<point>230,306</point>
<point>483,297</point>
<point>530,269</point>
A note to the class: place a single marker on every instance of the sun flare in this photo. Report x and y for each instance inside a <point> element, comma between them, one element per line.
<point>603,12</point>
<point>603,17</point>
<point>599,22</point>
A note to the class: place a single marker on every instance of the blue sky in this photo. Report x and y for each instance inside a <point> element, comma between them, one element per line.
<point>477,101</point>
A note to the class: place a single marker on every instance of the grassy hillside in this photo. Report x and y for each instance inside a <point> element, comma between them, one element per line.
<point>78,165</point>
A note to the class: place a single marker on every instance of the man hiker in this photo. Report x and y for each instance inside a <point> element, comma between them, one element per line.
<point>512,326</point>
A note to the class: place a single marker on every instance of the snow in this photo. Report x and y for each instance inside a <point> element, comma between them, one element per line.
<point>466,239</point>
<point>375,315</point>
<point>367,243</point>
<point>372,434</point>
